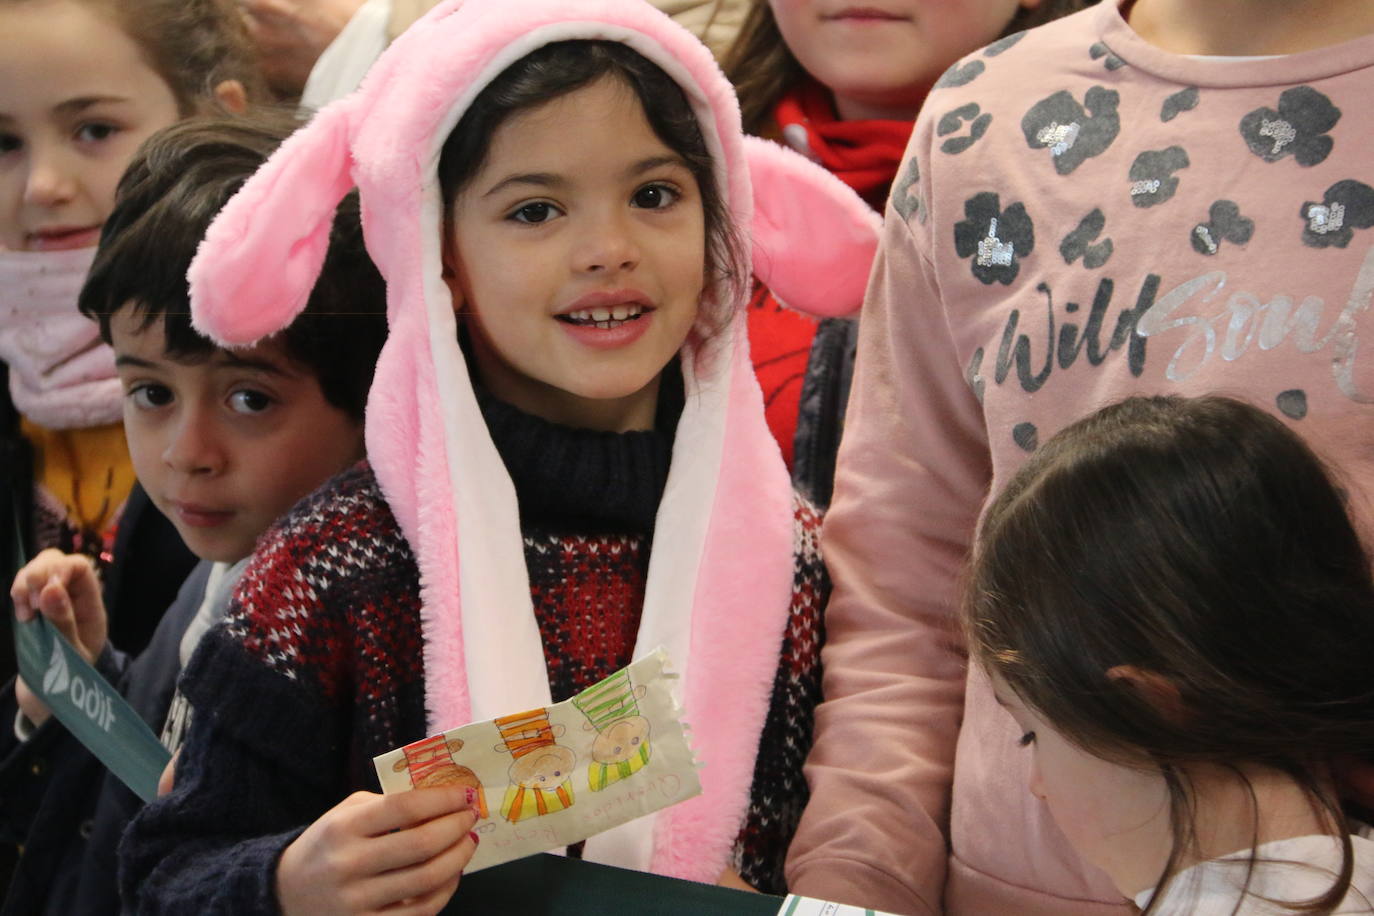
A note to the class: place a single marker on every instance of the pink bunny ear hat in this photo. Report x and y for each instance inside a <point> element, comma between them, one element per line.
<point>720,581</point>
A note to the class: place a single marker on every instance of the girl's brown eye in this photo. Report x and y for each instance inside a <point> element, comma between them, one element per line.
<point>654,197</point>
<point>538,212</point>
<point>1027,738</point>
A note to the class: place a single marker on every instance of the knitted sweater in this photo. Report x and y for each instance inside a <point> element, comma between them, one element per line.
<point>323,644</point>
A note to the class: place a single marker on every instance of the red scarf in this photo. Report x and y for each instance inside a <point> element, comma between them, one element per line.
<point>863,154</point>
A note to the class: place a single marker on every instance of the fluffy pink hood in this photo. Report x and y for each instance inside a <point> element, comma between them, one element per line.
<point>721,568</point>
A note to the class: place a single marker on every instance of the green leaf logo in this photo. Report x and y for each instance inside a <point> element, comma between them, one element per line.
<point>57,678</point>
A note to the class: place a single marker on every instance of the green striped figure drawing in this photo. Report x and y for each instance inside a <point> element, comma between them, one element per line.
<point>621,747</point>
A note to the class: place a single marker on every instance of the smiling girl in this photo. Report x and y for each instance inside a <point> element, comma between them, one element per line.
<point>569,464</point>
<point>82,84</point>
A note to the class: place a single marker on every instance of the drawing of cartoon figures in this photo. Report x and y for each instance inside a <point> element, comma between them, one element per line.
<point>621,748</point>
<point>541,776</point>
<point>430,762</point>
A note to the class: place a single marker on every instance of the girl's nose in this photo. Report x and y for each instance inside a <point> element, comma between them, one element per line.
<point>609,247</point>
<point>50,182</point>
<point>193,447</point>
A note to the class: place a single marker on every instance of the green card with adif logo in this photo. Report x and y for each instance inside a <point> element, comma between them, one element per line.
<point>89,706</point>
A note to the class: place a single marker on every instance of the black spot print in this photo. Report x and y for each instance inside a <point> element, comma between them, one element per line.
<point>1151,175</point>
<point>1077,244</point>
<point>1346,206</point>
<point>1293,403</point>
<point>993,239</point>
<point>906,197</point>
<point>978,125</point>
<point>1071,134</point>
<point>1026,436</point>
<point>1109,60</point>
<point>1178,103</point>
<point>1297,129</point>
<point>960,74</point>
<point>1003,44</point>
<point>1224,223</point>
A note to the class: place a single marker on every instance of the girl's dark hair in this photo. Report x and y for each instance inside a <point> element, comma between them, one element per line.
<point>180,179</point>
<point>1202,541</point>
<point>762,67</point>
<point>194,45</point>
<point>557,69</point>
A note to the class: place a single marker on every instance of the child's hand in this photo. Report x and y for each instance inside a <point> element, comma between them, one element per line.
<point>63,588</point>
<point>290,35</point>
<point>400,853</point>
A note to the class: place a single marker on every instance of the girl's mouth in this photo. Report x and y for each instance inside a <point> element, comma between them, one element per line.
<point>63,238</point>
<point>604,317</point>
<point>867,13</point>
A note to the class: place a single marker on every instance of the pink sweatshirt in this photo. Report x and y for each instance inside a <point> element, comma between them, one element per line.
<point>1081,217</point>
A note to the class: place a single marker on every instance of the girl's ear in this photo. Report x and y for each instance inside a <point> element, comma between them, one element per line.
<point>1152,687</point>
<point>232,96</point>
<point>254,271</point>
<point>447,258</point>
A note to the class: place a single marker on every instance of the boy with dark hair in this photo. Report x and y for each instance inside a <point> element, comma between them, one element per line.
<point>223,441</point>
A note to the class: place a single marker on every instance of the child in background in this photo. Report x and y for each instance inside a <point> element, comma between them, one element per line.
<point>1174,607</point>
<point>568,464</point>
<point>82,84</point>
<point>842,86</point>
<point>224,441</point>
<point>1129,218</point>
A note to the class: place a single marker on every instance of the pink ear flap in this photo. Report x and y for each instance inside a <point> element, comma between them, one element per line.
<point>814,239</point>
<point>254,270</point>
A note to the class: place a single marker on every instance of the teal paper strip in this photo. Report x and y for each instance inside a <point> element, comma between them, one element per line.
<point>90,708</point>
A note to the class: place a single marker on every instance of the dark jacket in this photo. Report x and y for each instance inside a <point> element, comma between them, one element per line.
<point>61,803</point>
<point>820,415</point>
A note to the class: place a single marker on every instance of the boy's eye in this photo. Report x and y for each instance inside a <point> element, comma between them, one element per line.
<point>537,212</point>
<point>150,397</point>
<point>1027,739</point>
<point>655,197</point>
<point>248,401</point>
<point>9,143</point>
<point>95,132</point>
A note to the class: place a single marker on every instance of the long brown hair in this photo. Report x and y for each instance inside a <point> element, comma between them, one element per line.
<point>1199,540</point>
<point>194,45</point>
<point>762,68</point>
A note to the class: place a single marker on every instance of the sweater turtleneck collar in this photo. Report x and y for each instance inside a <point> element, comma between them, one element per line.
<point>583,478</point>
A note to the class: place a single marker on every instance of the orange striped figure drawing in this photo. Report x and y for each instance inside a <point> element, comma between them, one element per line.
<point>621,747</point>
<point>430,762</point>
<point>541,774</point>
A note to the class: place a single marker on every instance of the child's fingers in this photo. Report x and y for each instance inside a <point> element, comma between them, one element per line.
<point>385,813</point>
<point>426,886</point>
<point>420,843</point>
<point>72,572</point>
<point>55,604</point>
<point>29,581</point>
<point>167,781</point>
<point>34,709</point>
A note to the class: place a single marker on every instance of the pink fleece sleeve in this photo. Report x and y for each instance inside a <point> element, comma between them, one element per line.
<point>913,471</point>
